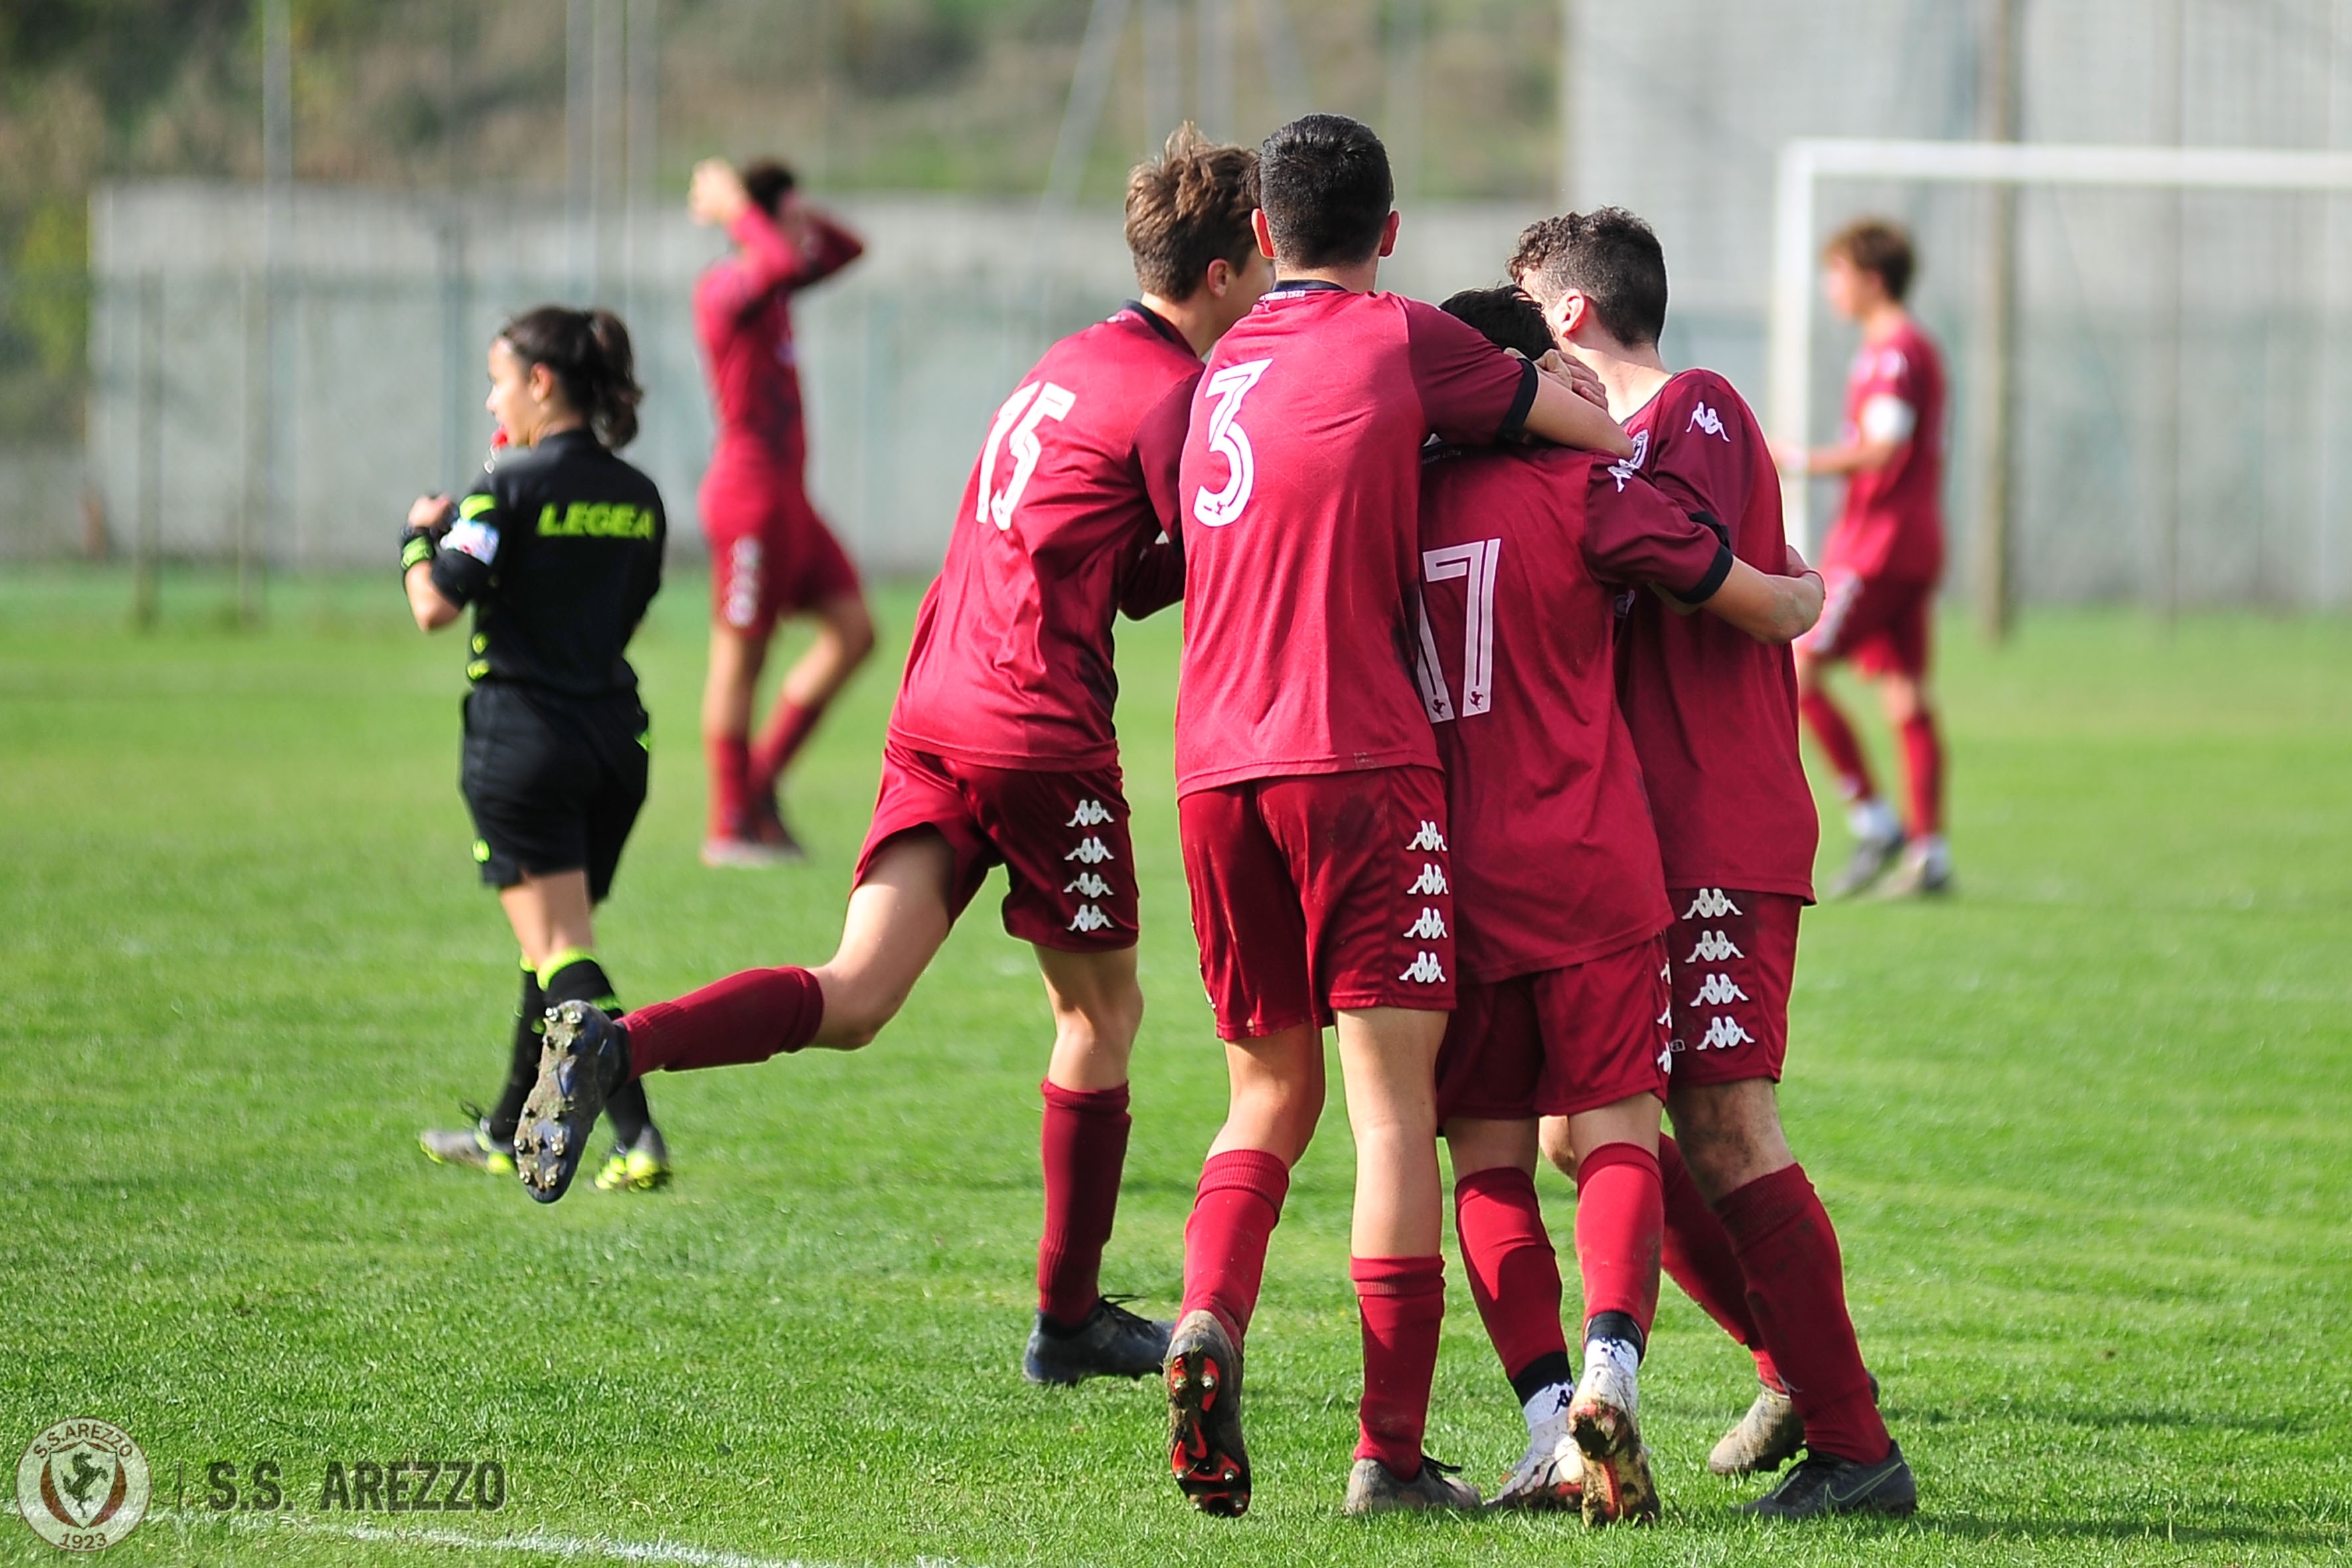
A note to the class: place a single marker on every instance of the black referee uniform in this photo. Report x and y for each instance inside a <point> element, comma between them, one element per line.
<point>559,551</point>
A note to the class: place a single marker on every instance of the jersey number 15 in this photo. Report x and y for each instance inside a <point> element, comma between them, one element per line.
<point>1475,561</point>
<point>1022,413</point>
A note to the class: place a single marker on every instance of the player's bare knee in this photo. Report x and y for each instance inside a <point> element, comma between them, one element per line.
<point>1557,1147</point>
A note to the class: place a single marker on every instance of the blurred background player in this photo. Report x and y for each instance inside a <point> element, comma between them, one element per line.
<point>559,551</point>
<point>1882,561</point>
<point>1563,1004</point>
<point>1713,719</point>
<point>770,553</point>
<point>1002,750</point>
<point>1310,803</point>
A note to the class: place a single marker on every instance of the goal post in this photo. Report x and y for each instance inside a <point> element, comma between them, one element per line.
<point>1807,163</point>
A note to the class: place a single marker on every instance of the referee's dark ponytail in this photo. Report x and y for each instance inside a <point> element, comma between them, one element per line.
<point>589,352</point>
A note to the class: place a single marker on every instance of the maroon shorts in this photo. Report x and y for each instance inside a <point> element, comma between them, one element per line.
<point>1877,624</point>
<point>1062,837</point>
<point>1559,1042</point>
<point>1731,955</point>
<point>1320,892</point>
<point>770,553</point>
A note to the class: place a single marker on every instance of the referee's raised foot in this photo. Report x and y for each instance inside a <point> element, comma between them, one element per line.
<point>583,1060</point>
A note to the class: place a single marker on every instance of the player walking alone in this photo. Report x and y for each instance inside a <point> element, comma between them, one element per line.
<point>770,553</point>
<point>1882,563</point>
<point>558,550</point>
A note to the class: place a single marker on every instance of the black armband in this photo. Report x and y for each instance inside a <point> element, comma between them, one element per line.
<point>1704,590</point>
<point>417,548</point>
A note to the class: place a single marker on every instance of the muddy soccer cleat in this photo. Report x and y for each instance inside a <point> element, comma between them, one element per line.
<point>1549,1478</point>
<point>469,1146</point>
<point>581,1059</point>
<point>1617,1487</point>
<point>1770,1436</point>
<point>1204,1416</point>
<point>1824,1484</point>
<point>1372,1489</point>
<point>1111,1342</point>
<point>639,1168</point>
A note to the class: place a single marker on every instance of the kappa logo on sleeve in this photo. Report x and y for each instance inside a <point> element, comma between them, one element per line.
<point>1626,468</point>
<point>1428,841</point>
<point>1710,904</point>
<point>1428,927</point>
<point>1425,970</point>
<point>1712,947</point>
<point>1717,990</point>
<point>1709,420</point>
<point>1431,882</point>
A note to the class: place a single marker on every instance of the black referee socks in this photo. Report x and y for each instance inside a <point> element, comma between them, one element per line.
<point>522,1063</point>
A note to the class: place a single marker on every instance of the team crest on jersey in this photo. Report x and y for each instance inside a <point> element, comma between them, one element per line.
<point>1712,947</point>
<point>1428,841</point>
<point>1723,1034</point>
<point>1089,919</point>
<point>1425,969</point>
<point>1626,468</point>
<point>1431,882</point>
<point>1710,904</point>
<point>1717,990</point>
<point>1091,851</point>
<point>1089,886</point>
<point>1090,813</point>
<point>1428,927</point>
<point>1709,420</point>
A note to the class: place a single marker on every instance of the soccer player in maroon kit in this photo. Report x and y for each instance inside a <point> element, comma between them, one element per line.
<point>1882,561</point>
<point>1002,750</point>
<point>1309,802</point>
<point>1712,719</point>
<point>1563,1004</point>
<point>770,553</point>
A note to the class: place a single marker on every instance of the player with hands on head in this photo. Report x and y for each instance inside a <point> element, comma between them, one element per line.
<point>1713,717</point>
<point>558,550</point>
<point>770,554</point>
<point>1002,751</point>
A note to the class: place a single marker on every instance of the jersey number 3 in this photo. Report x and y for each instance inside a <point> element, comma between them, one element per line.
<point>1022,413</point>
<point>1228,440</point>
<point>1475,561</point>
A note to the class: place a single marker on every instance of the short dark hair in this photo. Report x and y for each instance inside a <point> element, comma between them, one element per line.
<point>590,353</point>
<point>1877,245</point>
<point>1508,318</point>
<point>1188,208</point>
<point>767,182</point>
<point>1608,255</point>
<point>1324,182</point>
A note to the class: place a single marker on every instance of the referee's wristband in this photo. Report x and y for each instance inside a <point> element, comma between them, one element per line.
<point>417,547</point>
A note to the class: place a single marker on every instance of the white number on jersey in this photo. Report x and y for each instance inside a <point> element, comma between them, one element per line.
<point>1227,438</point>
<point>1041,401</point>
<point>1477,562</point>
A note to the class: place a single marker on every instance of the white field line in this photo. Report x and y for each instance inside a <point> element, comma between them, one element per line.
<point>535,1542</point>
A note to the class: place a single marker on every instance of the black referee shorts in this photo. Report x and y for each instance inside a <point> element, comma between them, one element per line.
<point>555,783</point>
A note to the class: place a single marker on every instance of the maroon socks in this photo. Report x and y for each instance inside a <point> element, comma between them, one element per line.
<point>1619,1229</point>
<point>1402,1300</point>
<point>1699,1259</point>
<point>787,729</point>
<point>746,1017</point>
<point>1234,1213</point>
<point>1923,767</point>
<point>1513,1272</point>
<point>727,758</point>
<point>1085,1148</point>
<point>1837,740</point>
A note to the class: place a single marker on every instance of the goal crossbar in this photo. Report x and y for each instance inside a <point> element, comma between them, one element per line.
<point>1805,163</point>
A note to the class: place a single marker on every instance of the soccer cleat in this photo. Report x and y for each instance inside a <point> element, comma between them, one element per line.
<point>1111,1342</point>
<point>748,854</point>
<point>467,1146</point>
<point>578,1066</point>
<point>641,1167</point>
<point>1549,1476</point>
<point>1872,859</point>
<point>1924,871</point>
<point>1617,1487</point>
<point>1204,1416</point>
<point>1770,1436</point>
<point>1373,1489</point>
<point>768,830</point>
<point>1825,1484</point>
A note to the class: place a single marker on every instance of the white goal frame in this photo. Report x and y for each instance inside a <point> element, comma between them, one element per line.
<point>1805,164</point>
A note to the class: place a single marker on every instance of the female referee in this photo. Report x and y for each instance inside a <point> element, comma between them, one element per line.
<point>558,550</point>
<point>770,553</point>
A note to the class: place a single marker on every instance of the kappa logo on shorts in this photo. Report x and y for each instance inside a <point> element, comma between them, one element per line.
<point>1091,852</point>
<point>1428,841</point>
<point>743,582</point>
<point>1089,919</point>
<point>1666,1018</point>
<point>1710,904</point>
<point>1708,419</point>
<point>1722,1034</point>
<point>1090,813</point>
<point>1089,886</point>
<point>1712,947</point>
<point>1431,882</point>
<point>1425,970</point>
<point>1428,927</point>
<point>1716,990</point>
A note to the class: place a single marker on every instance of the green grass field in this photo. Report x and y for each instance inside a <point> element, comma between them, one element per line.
<point>2082,1129</point>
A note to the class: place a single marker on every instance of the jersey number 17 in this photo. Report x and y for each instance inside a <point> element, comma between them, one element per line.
<point>1475,561</point>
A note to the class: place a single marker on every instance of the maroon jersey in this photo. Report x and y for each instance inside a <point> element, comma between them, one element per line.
<point>1713,712</point>
<point>1521,554</point>
<point>1893,522</point>
<point>1299,500</point>
<point>742,314</point>
<point>1011,665</point>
